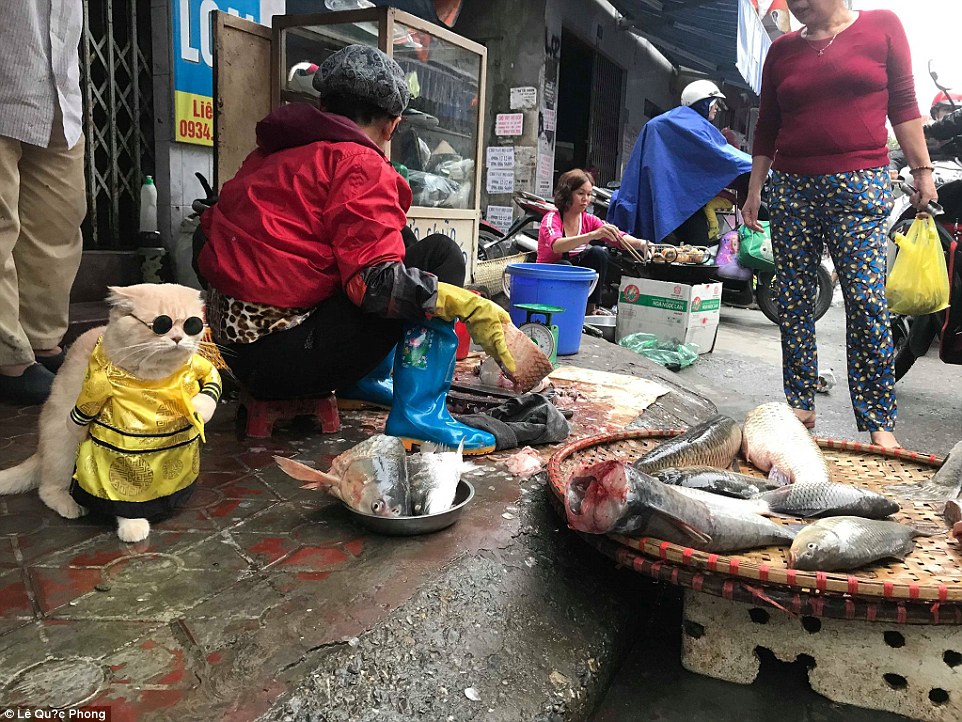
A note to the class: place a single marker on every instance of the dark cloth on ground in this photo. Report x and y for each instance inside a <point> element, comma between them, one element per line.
<point>528,420</point>
<point>338,343</point>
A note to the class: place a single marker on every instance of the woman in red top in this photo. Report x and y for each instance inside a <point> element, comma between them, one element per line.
<point>826,93</point>
<point>568,235</point>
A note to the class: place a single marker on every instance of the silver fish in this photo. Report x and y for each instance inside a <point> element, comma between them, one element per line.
<point>370,477</point>
<point>614,497</point>
<point>776,441</point>
<point>826,498</point>
<point>713,443</point>
<point>717,481</point>
<point>434,477</point>
<point>849,542</point>
<point>718,501</point>
<point>946,484</point>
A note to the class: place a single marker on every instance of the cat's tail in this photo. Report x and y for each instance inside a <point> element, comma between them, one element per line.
<point>22,477</point>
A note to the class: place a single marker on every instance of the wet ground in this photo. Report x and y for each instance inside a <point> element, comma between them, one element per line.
<point>264,600</point>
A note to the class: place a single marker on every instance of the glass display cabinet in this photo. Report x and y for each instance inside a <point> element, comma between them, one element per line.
<point>439,139</point>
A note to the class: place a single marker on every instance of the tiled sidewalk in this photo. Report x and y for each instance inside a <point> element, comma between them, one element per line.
<point>205,618</point>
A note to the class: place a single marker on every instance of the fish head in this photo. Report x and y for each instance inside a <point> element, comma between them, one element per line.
<point>376,486</point>
<point>597,497</point>
<point>815,547</point>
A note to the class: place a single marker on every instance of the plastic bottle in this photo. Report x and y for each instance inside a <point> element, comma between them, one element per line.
<point>148,206</point>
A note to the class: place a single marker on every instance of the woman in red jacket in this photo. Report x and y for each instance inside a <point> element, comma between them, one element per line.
<point>826,92</point>
<point>311,284</point>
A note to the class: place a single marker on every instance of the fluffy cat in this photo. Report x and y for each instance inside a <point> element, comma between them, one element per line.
<point>131,346</point>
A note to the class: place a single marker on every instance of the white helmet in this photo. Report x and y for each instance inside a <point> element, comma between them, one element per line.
<point>699,90</point>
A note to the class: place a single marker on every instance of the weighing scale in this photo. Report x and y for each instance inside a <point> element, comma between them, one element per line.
<point>543,333</point>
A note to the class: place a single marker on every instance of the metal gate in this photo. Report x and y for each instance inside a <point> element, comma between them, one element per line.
<point>117,85</point>
<point>605,122</point>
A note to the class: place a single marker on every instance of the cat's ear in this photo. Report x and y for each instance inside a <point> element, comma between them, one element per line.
<point>120,299</point>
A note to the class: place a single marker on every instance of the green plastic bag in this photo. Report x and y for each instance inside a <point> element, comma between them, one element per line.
<point>673,356</point>
<point>919,281</point>
<point>755,248</point>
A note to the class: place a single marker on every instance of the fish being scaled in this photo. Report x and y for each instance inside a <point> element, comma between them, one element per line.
<point>614,497</point>
<point>531,365</point>
<point>371,477</point>
<point>433,477</point>
<point>717,481</point>
<point>826,498</point>
<point>712,443</point>
<point>849,542</point>
<point>776,441</point>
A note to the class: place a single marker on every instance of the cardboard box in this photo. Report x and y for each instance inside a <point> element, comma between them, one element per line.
<point>676,312</point>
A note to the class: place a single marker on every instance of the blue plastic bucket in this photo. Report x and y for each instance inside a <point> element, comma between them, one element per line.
<point>553,284</point>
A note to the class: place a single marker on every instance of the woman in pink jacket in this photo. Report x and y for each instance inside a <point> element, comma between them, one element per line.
<point>572,235</point>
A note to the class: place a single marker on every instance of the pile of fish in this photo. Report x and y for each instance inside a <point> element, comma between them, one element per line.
<point>377,477</point>
<point>683,492</point>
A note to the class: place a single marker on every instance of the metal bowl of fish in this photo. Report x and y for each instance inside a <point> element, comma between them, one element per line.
<point>413,525</point>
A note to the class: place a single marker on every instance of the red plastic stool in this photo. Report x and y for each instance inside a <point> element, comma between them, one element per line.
<point>262,415</point>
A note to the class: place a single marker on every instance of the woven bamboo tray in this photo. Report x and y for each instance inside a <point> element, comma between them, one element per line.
<point>932,573</point>
<point>490,274</point>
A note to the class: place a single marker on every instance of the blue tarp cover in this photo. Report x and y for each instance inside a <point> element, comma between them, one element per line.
<point>679,163</point>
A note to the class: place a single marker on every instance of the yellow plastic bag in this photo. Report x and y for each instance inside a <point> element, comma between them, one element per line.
<point>919,281</point>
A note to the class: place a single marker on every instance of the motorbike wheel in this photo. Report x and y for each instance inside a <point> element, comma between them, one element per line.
<point>765,293</point>
<point>489,245</point>
<point>904,356</point>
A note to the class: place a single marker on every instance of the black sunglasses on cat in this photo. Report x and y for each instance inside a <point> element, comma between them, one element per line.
<point>162,324</point>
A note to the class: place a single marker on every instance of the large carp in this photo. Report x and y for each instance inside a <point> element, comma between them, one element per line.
<point>776,441</point>
<point>712,443</point>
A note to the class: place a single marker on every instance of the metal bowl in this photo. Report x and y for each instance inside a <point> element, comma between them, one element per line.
<point>604,324</point>
<point>413,525</point>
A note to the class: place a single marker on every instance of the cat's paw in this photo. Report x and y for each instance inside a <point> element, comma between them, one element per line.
<point>132,530</point>
<point>62,503</point>
<point>205,406</point>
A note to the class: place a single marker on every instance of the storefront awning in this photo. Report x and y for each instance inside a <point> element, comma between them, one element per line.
<point>697,34</point>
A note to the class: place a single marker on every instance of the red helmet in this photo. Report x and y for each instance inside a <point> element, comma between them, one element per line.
<point>943,100</point>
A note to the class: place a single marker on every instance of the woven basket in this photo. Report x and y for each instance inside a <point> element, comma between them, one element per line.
<point>490,273</point>
<point>933,572</point>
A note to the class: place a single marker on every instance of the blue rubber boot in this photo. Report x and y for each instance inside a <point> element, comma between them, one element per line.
<point>375,389</point>
<point>423,370</point>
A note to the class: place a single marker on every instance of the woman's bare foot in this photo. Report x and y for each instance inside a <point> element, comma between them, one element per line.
<point>885,439</point>
<point>806,416</point>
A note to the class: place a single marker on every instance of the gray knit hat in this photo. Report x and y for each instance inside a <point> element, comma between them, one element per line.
<point>367,73</point>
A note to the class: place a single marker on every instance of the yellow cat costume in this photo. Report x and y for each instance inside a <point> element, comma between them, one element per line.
<point>142,454</point>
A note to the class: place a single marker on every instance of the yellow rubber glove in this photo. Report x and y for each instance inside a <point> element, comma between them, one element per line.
<point>482,317</point>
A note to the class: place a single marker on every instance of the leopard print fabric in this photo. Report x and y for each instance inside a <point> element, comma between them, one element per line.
<point>233,321</point>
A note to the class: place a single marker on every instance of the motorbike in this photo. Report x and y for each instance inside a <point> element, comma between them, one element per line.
<point>912,336</point>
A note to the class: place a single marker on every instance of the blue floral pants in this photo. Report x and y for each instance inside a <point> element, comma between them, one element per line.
<point>848,213</point>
